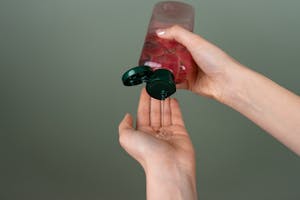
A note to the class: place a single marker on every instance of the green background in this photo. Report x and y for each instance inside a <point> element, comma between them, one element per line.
<point>61,99</point>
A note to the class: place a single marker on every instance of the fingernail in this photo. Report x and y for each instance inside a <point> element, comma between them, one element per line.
<point>160,32</point>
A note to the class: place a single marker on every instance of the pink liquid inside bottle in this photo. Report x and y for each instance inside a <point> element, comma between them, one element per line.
<point>160,53</point>
<point>167,54</point>
<point>163,63</point>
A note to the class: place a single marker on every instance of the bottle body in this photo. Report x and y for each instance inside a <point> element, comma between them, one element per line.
<point>163,63</point>
<point>160,53</point>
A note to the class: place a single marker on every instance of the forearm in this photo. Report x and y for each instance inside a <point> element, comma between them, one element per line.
<point>170,184</point>
<point>272,107</point>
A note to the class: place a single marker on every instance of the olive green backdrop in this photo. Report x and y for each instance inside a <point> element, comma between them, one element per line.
<point>61,99</point>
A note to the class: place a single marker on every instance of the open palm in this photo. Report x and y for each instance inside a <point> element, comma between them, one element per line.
<point>149,144</point>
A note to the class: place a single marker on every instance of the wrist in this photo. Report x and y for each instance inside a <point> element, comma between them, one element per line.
<point>234,90</point>
<point>170,182</point>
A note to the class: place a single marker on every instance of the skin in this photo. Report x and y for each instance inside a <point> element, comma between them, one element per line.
<point>168,159</point>
<point>220,77</point>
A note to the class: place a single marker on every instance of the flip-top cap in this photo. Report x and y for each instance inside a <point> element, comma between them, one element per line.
<point>161,85</point>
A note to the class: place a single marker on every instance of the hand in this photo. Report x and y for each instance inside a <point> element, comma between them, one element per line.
<point>214,67</point>
<point>260,99</point>
<point>168,159</point>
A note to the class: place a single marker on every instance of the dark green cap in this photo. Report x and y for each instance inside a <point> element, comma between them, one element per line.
<point>159,83</point>
<point>137,75</point>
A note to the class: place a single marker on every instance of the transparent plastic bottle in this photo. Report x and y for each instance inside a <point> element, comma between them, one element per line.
<point>163,63</point>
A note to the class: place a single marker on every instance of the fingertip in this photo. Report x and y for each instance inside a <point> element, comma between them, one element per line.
<point>181,35</point>
<point>127,115</point>
<point>165,33</point>
<point>175,32</point>
<point>175,102</point>
<point>126,122</point>
<point>144,92</point>
<point>176,113</point>
<point>160,32</point>
<point>144,96</point>
<point>125,125</point>
<point>128,118</point>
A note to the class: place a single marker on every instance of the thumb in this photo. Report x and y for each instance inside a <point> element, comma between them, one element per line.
<point>128,140</point>
<point>183,36</point>
<point>208,56</point>
<point>125,130</point>
<point>126,124</point>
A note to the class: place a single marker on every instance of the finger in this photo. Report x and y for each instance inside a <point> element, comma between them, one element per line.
<point>176,113</point>
<point>155,114</point>
<point>125,128</point>
<point>129,140</point>
<point>143,112</point>
<point>166,120</point>
<point>126,124</point>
